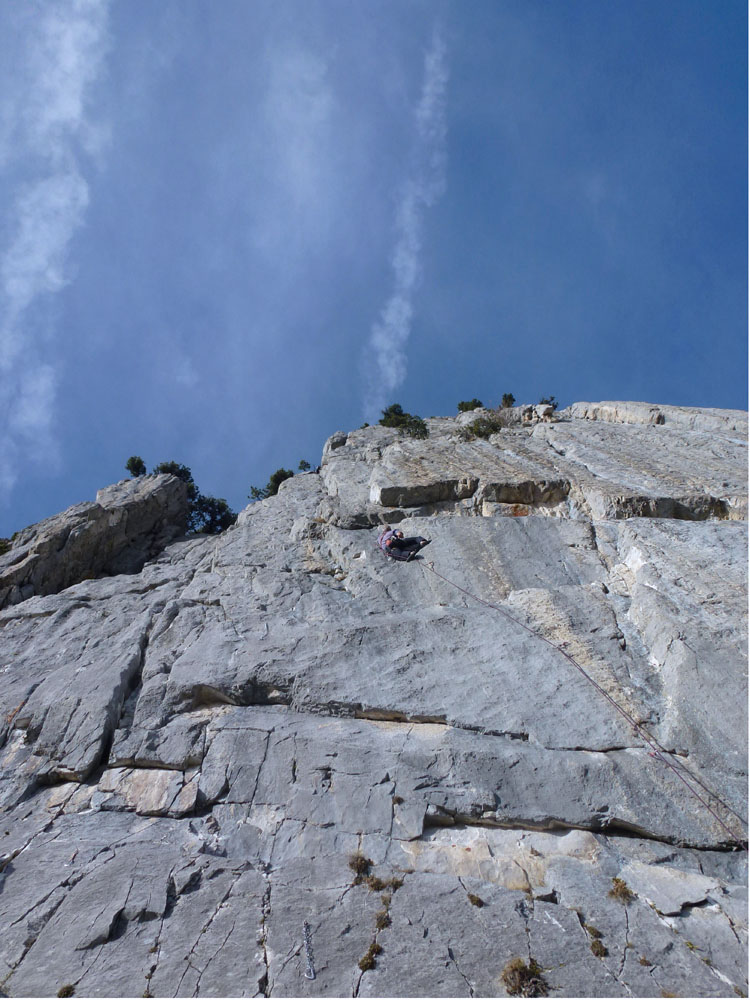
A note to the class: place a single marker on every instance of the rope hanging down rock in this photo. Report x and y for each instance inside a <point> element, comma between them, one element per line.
<point>656,750</point>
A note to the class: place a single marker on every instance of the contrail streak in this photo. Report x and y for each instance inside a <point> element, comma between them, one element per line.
<point>385,357</point>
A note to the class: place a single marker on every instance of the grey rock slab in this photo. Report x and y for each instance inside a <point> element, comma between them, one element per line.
<point>687,600</point>
<point>437,944</point>
<point>362,777</point>
<point>211,945</point>
<point>722,422</point>
<point>70,661</point>
<point>225,728</point>
<point>70,702</point>
<point>147,791</point>
<point>622,470</point>
<point>614,460</point>
<point>669,890</point>
<point>179,744</point>
<point>562,947</point>
<point>232,764</point>
<point>410,473</point>
<point>114,890</point>
<point>341,918</point>
<point>129,523</point>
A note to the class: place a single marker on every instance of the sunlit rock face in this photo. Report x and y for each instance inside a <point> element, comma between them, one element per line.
<point>279,726</point>
<point>128,524</point>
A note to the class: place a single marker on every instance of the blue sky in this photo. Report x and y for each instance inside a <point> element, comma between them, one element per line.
<point>229,229</point>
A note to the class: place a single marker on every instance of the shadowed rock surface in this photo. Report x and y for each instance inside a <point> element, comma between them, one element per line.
<point>129,523</point>
<point>194,753</point>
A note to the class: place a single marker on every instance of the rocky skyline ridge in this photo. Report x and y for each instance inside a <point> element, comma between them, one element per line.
<point>274,763</point>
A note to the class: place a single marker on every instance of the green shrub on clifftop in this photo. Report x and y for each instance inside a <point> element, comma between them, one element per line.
<point>272,486</point>
<point>136,466</point>
<point>208,515</point>
<point>411,424</point>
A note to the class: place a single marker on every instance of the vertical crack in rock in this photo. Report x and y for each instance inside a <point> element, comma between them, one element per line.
<point>204,930</point>
<point>265,984</point>
<point>626,943</point>
<point>169,905</point>
<point>196,988</point>
<point>458,969</point>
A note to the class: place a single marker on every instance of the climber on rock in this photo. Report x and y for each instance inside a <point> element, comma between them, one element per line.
<point>393,543</point>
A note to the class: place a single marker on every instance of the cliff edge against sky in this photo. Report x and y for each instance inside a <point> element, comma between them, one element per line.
<point>523,753</point>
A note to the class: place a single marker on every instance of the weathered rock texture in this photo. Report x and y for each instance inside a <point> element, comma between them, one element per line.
<point>129,523</point>
<point>194,754</point>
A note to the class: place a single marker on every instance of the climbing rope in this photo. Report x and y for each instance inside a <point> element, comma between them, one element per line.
<point>656,750</point>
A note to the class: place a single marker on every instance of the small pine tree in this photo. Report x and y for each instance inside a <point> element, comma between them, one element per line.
<point>411,424</point>
<point>471,404</point>
<point>550,401</point>
<point>209,515</point>
<point>393,416</point>
<point>304,466</point>
<point>272,486</point>
<point>508,400</point>
<point>136,466</point>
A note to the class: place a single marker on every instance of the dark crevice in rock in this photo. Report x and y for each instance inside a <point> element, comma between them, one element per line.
<point>358,711</point>
<point>128,698</point>
<point>441,816</point>
<point>702,507</point>
<point>483,731</point>
<point>549,897</point>
<point>614,748</point>
<point>391,715</point>
<point>253,693</point>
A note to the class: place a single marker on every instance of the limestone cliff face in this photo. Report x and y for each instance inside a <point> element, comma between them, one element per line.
<point>194,752</point>
<point>128,523</point>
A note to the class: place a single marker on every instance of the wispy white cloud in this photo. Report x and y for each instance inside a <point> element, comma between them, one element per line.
<point>385,354</point>
<point>298,107</point>
<point>294,138</point>
<point>47,132</point>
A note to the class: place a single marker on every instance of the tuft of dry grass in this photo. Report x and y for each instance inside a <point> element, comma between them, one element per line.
<point>620,892</point>
<point>521,980</point>
<point>598,948</point>
<point>475,900</point>
<point>368,959</point>
<point>375,884</point>
<point>360,865</point>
